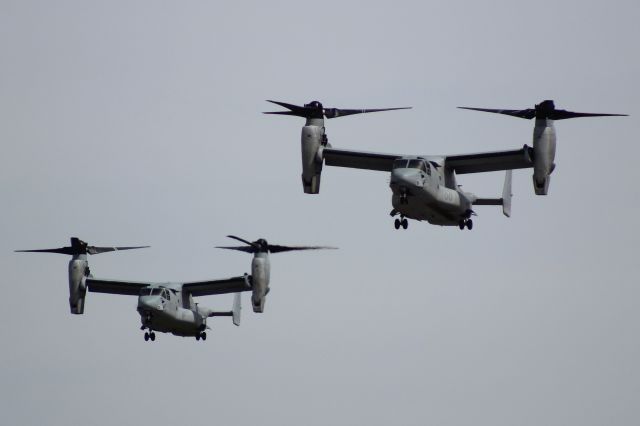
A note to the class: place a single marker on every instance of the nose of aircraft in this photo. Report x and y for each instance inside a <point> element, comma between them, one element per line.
<point>152,303</point>
<point>406,177</point>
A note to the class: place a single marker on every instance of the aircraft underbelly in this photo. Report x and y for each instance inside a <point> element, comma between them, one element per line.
<point>445,209</point>
<point>182,322</point>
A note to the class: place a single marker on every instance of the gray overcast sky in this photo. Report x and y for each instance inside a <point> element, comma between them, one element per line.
<point>139,122</point>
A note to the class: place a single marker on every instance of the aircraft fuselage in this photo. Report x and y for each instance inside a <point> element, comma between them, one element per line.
<point>169,313</point>
<point>420,193</point>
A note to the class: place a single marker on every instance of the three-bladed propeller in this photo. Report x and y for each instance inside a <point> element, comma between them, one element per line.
<point>316,110</point>
<point>263,246</point>
<point>78,247</point>
<point>545,109</point>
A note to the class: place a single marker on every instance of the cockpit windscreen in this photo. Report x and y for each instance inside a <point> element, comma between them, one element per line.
<point>148,291</point>
<point>400,163</point>
<point>417,164</point>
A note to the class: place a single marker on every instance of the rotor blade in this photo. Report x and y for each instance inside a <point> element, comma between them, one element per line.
<point>338,112</point>
<point>279,249</point>
<point>284,113</point>
<point>561,114</point>
<point>315,110</point>
<point>249,249</point>
<point>61,250</point>
<point>296,110</point>
<point>521,113</point>
<point>242,240</point>
<point>292,107</point>
<point>98,250</point>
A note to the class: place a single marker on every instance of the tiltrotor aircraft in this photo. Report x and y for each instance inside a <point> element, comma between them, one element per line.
<point>261,266</point>
<point>424,187</point>
<point>163,307</point>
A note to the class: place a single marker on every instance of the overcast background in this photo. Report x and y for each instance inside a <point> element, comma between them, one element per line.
<point>139,122</point>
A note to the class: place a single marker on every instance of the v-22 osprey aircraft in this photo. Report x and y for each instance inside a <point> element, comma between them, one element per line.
<point>169,307</point>
<point>163,307</point>
<point>424,187</point>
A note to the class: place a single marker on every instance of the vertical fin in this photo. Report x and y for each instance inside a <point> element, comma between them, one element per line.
<point>236,308</point>
<point>506,194</point>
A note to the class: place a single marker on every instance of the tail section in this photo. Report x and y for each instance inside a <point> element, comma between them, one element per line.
<point>234,313</point>
<point>505,201</point>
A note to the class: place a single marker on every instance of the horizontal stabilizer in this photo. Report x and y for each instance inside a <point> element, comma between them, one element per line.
<point>488,202</point>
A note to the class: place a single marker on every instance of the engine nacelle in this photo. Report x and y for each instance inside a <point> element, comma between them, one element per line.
<point>312,141</point>
<point>541,186</point>
<point>78,271</point>
<point>260,276</point>
<point>544,152</point>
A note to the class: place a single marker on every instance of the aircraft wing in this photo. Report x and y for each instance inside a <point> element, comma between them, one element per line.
<point>115,287</point>
<point>229,285</point>
<point>490,161</point>
<point>359,159</point>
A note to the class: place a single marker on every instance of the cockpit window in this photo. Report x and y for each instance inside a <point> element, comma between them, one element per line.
<point>400,163</point>
<point>145,291</point>
<point>417,164</point>
<point>148,291</point>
